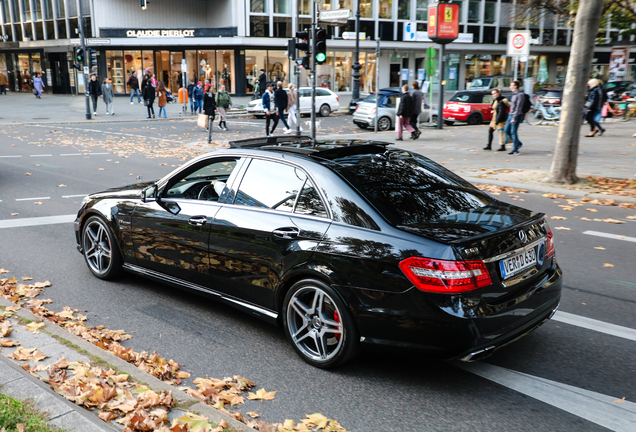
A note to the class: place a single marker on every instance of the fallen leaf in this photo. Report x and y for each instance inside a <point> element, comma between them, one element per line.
<point>558,218</point>
<point>614,221</point>
<point>8,343</point>
<point>13,308</point>
<point>591,210</point>
<point>28,174</point>
<point>631,217</point>
<point>26,278</point>
<point>38,203</point>
<point>608,265</point>
<point>619,400</point>
<point>15,214</point>
<point>34,326</point>
<point>262,395</point>
<point>3,271</point>
<point>318,420</point>
<point>253,414</point>
<point>562,228</point>
<point>61,185</point>
<point>102,169</point>
<point>599,248</point>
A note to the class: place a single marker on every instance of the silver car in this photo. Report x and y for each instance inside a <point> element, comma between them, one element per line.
<point>326,103</point>
<point>365,115</point>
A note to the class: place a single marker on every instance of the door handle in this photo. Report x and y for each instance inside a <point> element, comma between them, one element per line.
<point>286,233</point>
<point>197,220</point>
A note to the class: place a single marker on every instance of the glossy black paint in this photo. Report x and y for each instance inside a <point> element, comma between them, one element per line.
<point>235,254</point>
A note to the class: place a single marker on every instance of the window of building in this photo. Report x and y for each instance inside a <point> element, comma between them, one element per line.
<point>368,27</point>
<point>258,6</point>
<point>347,4</point>
<point>473,11</point>
<point>26,10</point>
<point>386,30</point>
<point>116,71</point>
<point>48,9</point>
<point>304,6</point>
<point>224,73</point>
<point>61,12</point>
<point>323,72</point>
<point>342,70</point>
<point>28,32</point>
<point>50,29</point>
<point>404,9</point>
<point>490,12</point>
<point>61,29</point>
<point>281,7</point>
<point>16,11</point>
<point>489,35</point>
<point>39,30</point>
<point>366,8</point>
<point>259,26</point>
<point>277,67</point>
<point>386,9</point>
<point>282,27</point>
<point>255,60</point>
<point>5,10</point>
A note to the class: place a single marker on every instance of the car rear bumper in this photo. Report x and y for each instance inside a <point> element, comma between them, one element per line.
<point>462,327</point>
<point>455,116</point>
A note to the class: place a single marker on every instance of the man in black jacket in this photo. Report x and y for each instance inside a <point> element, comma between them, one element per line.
<point>404,113</point>
<point>280,97</point>
<point>95,91</point>
<point>262,83</point>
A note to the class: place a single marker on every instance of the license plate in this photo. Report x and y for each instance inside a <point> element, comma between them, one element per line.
<point>517,263</point>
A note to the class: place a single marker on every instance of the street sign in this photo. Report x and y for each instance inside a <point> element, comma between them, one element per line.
<point>184,66</point>
<point>86,70</point>
<point>352,35</point>
<point>518,43</point>
<point>443,22</point>
<point>338,16</point>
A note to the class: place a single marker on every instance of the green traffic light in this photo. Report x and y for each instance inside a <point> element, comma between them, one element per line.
<point>321,57</point>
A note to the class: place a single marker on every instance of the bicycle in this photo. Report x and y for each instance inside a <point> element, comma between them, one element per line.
<point>540,114</point>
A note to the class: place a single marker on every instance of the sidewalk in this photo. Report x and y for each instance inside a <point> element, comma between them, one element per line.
<point>56,343</point>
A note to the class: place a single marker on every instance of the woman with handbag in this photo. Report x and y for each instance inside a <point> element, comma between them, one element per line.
<point>223,103</point>
<point>149,98</point>
<point>596,98</point>
<point>107,96</point>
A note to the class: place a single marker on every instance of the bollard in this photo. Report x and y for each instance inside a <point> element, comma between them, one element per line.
<point>210,118</point>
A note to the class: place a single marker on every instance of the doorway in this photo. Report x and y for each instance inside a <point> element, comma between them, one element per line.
<point>59,70</point>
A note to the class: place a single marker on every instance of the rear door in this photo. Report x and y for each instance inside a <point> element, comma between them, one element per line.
<point>485,107</point>
<point>305,100</point>
<point>270,223</point>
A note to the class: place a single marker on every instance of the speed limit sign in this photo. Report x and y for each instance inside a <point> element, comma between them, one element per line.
<point>518,42</point>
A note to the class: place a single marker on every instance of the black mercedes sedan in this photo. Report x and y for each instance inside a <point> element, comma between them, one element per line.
<point>344,243</point>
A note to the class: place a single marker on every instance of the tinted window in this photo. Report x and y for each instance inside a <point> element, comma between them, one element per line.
<point>189,184</point>
<point>390,100</point>
<point>487,99</point>
<point>305,93</point>
<point>309,201</point>
<point>409,189</point>
<point>322,92</point>
<point>270,185</point>
<point>506,82</point>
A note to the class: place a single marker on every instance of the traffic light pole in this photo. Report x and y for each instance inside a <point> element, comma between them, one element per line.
<point>297,72</point>
<point>440,105</point>
<point>84,65</point>
<point>313,71</point>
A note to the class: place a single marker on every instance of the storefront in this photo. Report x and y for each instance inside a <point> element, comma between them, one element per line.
<point>20,69</point>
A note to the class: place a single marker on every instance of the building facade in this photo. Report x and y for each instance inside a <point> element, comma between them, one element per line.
<point>229,41</point>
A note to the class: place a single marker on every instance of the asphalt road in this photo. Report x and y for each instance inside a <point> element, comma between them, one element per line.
<point>377,391</point>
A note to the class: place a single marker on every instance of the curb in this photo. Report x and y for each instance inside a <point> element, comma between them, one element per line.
<point>551,189</point>
<point>136,373</point>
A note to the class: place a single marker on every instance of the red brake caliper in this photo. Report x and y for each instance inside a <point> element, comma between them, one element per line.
<point>336,318</point>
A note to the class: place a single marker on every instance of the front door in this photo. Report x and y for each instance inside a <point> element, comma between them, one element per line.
<point>268,229</point>
<point>59,71</point>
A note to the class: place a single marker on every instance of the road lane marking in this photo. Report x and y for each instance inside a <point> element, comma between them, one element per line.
<point>610,236</point>
<point>46,220</point>
<point>74,196</point>
<point>38,155</point>
<point>596,325</point>
<point>10,156</point>
<point>31,199</point>
<point>71,154</point>
<point>594,407</point>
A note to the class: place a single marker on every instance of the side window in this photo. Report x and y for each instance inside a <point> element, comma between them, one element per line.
<point>506,82</point>
<point>205,181</point>
<point>322,92</point>
<point>270,185</point>
<point>494,83</point>
<point>309,201</point>
<point>390,101</point>
<point>487,99</point>
<point>305,93</point>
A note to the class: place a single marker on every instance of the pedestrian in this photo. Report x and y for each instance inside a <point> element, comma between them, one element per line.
<point>108,95</point>
<point>149,97</point>
<point>223,103</point>
<point>191,87</point>
<point>269,106</point>
<point>161,99</point>
<point>95,91</point>
<point>133,83</point>
<point>404,113</point>
<point>417,96</point>
<point>515,117</point>
<point>206,86</point>
<point>262,82</point>
<point>596,98</point>
<point>153,80</point>
<point>198,97</point>
<point>38,84</point>
<point>499,109</point>
<point>280,98</point>
<point>3,84</point>
<point>209,105</point>
<point>292,107</point>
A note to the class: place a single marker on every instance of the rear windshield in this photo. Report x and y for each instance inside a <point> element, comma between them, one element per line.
<point>466,97</point>
<point>480,82</point>
<point>370,98</point>
<point>410,189</point>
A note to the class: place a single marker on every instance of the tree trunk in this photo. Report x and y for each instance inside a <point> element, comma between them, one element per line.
<point>586,26</point>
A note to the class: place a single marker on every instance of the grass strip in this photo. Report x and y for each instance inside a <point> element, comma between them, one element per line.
<point>14,412</point>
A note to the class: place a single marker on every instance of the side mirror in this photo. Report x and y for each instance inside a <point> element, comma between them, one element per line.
<point>150,194</point>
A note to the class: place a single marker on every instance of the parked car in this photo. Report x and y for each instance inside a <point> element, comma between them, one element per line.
<point>344,243</point>
<point>548,96</point>
<point>365,114</point>
<point>326,103</point>
<point>470,106</point>
<point>491,82</point>
<point>615,89</point>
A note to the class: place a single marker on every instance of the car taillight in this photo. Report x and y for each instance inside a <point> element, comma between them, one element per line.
<point>466,108</point>
<point>373,111</point>
<point>441,276</point>
<point>557,101</point>
<point>338,99</point>
<point>550,246</point>
<point>358,107</point>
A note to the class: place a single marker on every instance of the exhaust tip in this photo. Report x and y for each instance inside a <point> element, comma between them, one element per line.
<point>478,355</point>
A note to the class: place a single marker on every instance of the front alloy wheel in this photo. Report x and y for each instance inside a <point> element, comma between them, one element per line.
<point>318,325</point>
<point>100,249</point>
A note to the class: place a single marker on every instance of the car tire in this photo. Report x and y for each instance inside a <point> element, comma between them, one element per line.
<point>325,110</point>
<point>449,122</point>
<point>100,249</point>
<point>318,325</point>
<point>384,124</point>
<point>475,119</point>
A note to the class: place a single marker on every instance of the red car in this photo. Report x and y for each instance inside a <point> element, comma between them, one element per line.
<point>472,107</point>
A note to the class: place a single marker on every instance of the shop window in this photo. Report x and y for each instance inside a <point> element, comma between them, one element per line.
<point>259,6</point>
<point>473,11</point>
<point>24,70</point>
<point>489,35</point>
<point>39,30</point>
<point>191,61</point>
<point>61,29</point>
<point>282,27</point>
<point>342,69</point>
<point>422,26</point>
<point>176,77</point>
<point>386,9</point>
<point>224,74</point>
<point>366,8</point>
<point>255,60</point>
<point>50,29</point>
<point>404,9</point>
<point>386,31</point>
<point>277,67</point>
<point>368,27</point>
<point>133,63</point>
<point>162,63</point>
<point>281,7</point>
<point>323,72</point>
<point>490,12</point>
<point>61,12</point>
<point>259,26</point>
<point>115,70</point>
<point>205,66</point>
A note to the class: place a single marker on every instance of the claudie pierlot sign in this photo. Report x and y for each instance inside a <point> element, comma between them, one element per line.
<point>167,33</point>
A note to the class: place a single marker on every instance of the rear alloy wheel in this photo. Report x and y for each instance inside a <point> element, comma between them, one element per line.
<point>474,119</point>
<point>100,249</point>
<point>318,324</point>
<point>325,110</point>
<point>384,124</point>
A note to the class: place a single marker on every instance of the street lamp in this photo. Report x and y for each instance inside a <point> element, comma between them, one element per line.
<point>355,94</point>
